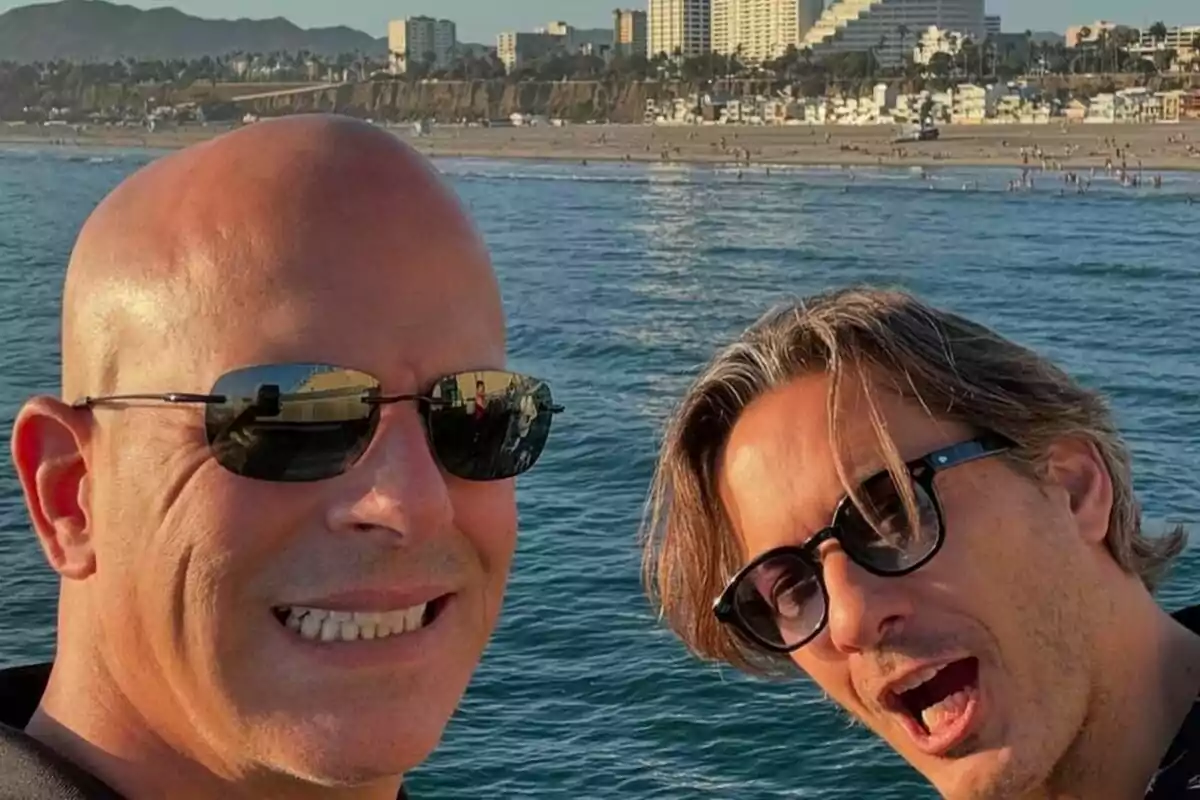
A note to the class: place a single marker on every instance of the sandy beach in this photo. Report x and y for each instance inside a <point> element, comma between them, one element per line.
<point>1062,146</point>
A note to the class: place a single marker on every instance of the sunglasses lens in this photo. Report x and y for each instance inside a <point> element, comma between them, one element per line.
<point>488,426</point>
<point>780,601</point>
<point>291,422</point>
<point>892,544</point>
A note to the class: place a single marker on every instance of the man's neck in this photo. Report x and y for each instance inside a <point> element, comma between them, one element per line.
<point>1149,682</point>
<point>92,725</point>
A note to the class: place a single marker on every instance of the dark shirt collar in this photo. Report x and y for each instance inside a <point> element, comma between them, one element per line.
<point>21,690</point>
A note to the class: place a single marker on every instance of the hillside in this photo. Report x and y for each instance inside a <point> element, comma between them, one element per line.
<point>95,30</point>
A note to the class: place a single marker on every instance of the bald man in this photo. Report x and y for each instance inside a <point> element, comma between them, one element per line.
<point>281,530</point>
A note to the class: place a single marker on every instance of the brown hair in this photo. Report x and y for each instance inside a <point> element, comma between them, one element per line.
<point>964,370</point>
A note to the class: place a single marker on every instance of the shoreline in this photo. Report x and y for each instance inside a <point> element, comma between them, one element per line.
<point>1148,147</point>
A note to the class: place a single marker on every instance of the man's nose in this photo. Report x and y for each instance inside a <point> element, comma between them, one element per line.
<point>863,608</point>
<point>397,487</point>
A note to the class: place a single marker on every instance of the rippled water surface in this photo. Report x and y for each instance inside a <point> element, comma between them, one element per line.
<point>619,281</point>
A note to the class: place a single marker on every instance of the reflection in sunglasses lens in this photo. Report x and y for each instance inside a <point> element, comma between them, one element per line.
<point>292,422</point>
<point>495,427</point>
<point>307,422</point>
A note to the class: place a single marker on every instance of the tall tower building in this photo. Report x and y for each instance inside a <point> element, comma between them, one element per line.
<point>629,32</point>
<point>421,40</point>
<point>682,26</point>
<point>760,30</point>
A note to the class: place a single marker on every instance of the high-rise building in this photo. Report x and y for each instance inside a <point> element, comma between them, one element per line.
<point>810,11</point>
<point>421,40</point>
<point>593,41</point>
<point>515,49</point>
<point>679,26</point>
<point>889,28</point>
<point>629,32</point>
<point>991,26</point>
<point>759,30</point>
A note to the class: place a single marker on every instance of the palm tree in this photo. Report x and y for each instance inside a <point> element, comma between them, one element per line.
<point>953,40</point>
<point>1081,39</point>
<point>1123,39</point>
<point>1163,59</point>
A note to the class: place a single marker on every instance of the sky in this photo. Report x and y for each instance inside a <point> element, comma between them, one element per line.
<point>481,20</point>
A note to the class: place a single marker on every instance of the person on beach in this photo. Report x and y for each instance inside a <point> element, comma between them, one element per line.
<point>938,527</point>
<point>281,548</point>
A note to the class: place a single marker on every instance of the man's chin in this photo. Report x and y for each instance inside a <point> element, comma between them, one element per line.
<point>982,775</point>
<point>357,753</point>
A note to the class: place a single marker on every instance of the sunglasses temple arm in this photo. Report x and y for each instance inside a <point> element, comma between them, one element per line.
<point>171,397</point>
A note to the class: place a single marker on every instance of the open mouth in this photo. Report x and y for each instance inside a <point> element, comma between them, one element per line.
<point>330,625</point>
<point>937,701</point>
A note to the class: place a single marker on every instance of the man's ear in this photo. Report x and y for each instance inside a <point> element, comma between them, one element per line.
<point>48,441</point>
<point>1075,465</point>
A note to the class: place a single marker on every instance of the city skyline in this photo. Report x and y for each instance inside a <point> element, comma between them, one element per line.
<point>482,22</point>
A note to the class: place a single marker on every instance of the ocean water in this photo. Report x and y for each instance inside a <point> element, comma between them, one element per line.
<point>620,280</point>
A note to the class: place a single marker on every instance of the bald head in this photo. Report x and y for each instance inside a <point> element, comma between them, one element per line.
<point>240,240</point>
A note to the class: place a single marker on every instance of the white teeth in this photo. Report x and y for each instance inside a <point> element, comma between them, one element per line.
<point>310,625</point>
<point>367,617</point>
<point>316,624</point>
<point>396,620</point>
<point>915,680</point>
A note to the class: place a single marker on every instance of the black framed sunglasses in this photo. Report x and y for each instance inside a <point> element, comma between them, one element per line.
<point>779,600</point>
<point>309,422</point>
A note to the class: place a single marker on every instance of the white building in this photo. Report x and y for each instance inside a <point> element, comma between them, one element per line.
<point>682,26</point>
<point>889,27</point>
<point>421,40</point>
<point>1102,109</point>
<point>972,105</point>
<point>1180,39</point>
<point>760,30</point>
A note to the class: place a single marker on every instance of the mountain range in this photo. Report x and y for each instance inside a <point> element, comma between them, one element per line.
<point>96,30</point>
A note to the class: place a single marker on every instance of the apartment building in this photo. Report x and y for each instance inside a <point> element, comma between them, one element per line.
<point>679,26</point>
<point>421,40</point>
